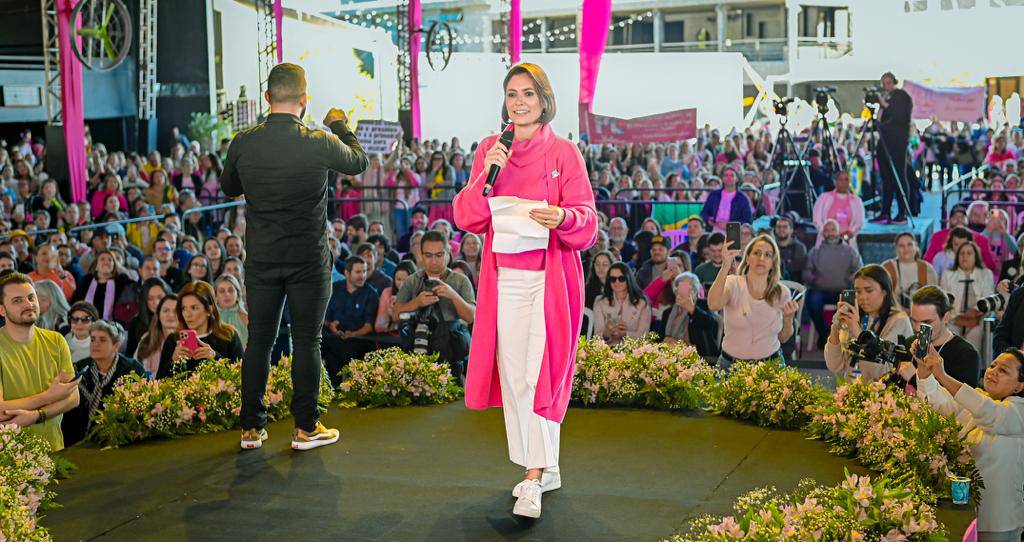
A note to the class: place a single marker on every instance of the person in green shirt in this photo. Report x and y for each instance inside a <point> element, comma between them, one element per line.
<point>36,375</point>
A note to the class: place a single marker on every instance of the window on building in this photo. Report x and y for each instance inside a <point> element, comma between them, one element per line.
<point>637,32</point>
<point>563,33</point>
<point>675,31</point>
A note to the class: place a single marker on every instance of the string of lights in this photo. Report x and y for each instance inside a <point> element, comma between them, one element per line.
<point>385,21</point>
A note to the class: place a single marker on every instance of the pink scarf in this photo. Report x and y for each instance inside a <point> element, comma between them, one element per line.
<point>108,298</point>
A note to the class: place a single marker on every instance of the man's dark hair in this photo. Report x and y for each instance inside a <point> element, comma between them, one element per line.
<point>9,256</point>
<point>11,278</point>
<point>366,247</point>
<point>351,261</point>
<point>934,296</point>
<point>286,83</point>
<point>434,236</point>
<point>381,240</point>
<point>358,222</point>
<point>716,238</point>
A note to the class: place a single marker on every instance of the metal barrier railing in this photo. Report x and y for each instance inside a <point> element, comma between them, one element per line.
<point>959,183</point>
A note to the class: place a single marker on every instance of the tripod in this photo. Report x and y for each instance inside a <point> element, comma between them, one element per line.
<point>830,158</point>
<point>870,134</point>
<point>785,147</point>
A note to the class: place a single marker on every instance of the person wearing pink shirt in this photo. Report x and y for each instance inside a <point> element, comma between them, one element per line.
<point>529,304</point>
<point>840,205</point>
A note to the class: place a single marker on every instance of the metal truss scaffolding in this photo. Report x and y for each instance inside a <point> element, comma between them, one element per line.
<point>51,64</point>
<point>147,59</point>
<point>266,45</point>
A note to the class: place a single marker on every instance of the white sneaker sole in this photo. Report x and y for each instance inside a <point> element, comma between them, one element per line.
<point>309,445</point>
<point>525,509</point>
<point>551,486</point>
<point>251,444</point>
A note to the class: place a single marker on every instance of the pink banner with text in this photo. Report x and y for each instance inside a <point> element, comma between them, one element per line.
<point>946,103</point>
<point>671,126</point>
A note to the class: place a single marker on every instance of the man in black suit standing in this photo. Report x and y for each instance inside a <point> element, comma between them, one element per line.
<point>894,130</point>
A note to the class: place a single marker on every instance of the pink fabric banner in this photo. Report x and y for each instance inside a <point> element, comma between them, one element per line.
<point>73,108</point>
<point>597,15</point>
<point>279,38</point>
<point>663,127</point>
<point>415,21</point>
<point>946,103</point>
<point>515,32</point>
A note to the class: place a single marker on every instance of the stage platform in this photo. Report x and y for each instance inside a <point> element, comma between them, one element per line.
<point>435,473</point>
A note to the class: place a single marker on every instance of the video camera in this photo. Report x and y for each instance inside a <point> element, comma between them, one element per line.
<point>781,107</point>
<point>821,96</point>
<point>872,96</point>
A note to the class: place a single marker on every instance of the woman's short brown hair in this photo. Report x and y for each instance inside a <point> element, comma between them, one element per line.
<point>541,84</point>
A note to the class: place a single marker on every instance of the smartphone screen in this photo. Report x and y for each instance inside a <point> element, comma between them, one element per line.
<point>732,235</point>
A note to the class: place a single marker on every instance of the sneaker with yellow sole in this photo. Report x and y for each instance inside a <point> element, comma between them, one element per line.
<point>253,438</point>
<point>320,436</point>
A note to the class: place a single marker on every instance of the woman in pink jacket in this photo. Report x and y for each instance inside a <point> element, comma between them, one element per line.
<point>530,304</point>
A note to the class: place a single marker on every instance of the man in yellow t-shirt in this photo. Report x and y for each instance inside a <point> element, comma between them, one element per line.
<point>36,385</point>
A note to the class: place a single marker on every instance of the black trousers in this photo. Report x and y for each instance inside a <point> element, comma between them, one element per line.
<point>308,289</point>
<point>337,353</point>
<point>894,149</point>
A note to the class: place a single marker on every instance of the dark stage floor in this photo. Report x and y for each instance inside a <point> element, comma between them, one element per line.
<point>438,473</point>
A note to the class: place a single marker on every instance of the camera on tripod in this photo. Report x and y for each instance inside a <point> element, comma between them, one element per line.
<point>872,96</point>
<point>992,303</point>
<point>821,96</point>
<point>781,107</point>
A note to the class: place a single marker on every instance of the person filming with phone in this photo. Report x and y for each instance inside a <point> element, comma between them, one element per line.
<point>37,383</point>
<point>934,307</point>
<point>757,310</point>
<point>440,305</point>
<point>992,421</point>
<point>201,337</point>
<point>871,306</point>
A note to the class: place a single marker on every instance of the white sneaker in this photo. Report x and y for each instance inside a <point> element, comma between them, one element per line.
<point>549,481</point>
<point>528,504</point>
<point>253,439</point>
<point>321,436</point>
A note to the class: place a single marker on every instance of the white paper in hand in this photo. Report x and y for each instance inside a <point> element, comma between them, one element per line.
<point>512,228</point>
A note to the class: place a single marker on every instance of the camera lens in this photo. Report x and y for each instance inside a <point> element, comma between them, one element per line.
<point>991,303</point>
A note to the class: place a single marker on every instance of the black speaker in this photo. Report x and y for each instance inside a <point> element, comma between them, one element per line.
<point>56,165</point>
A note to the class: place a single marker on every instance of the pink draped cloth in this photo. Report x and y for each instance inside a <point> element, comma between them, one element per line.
<point>597,15</point>
<point>515,31</point>
<point>72,105</point>
<point>559,165</point>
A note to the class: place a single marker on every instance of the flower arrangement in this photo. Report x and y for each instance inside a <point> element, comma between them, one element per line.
<point>891,432</point>
<point>393,377</point>
<point>857,509</point>
<point>767,394</point>
<point>640,373</point>
<point>25,470</point>
<point>204,401</point>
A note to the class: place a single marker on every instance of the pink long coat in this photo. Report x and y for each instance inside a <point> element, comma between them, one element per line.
<point>561,166</point>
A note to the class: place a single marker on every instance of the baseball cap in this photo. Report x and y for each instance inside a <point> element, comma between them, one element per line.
<point>115,230</point>
<point>661,240</point>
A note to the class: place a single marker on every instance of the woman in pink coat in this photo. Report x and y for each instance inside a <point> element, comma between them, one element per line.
<point>529,304</point>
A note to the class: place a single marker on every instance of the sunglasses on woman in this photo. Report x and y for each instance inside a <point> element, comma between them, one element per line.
<point>80,320</point>
<point>616,278</point>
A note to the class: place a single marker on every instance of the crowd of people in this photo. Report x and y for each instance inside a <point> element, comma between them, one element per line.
<point>88,298</point>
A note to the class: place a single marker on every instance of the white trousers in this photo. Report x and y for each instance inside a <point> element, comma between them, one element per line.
<point>532,439</point>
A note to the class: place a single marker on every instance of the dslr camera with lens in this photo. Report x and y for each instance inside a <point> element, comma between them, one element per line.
<point>821,96</point>
<point>872,95</point>
<point>992,303</point>
<point>870,347</point>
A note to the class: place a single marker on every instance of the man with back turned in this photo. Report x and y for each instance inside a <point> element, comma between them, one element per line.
<point>280,166</point>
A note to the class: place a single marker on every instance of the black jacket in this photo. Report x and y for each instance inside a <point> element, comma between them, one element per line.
<point>75,423</point>
<point>894,122</point>
<point>281,167</point>
<point>1010,329</point>
<point>703,330</point>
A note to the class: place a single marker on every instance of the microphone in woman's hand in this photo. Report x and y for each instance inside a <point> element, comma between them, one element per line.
<point>506,139</point>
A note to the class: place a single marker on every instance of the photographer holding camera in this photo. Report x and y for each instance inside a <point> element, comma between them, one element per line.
<point>876,310</point>
<point>443,304</point>
<point>993,426</point>
<point>894,130</point>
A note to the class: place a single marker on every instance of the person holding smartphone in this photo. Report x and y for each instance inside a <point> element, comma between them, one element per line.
<point>992,419</point>
<point>875,309</point>
<point>202,336</point>
<point>757,310</point>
